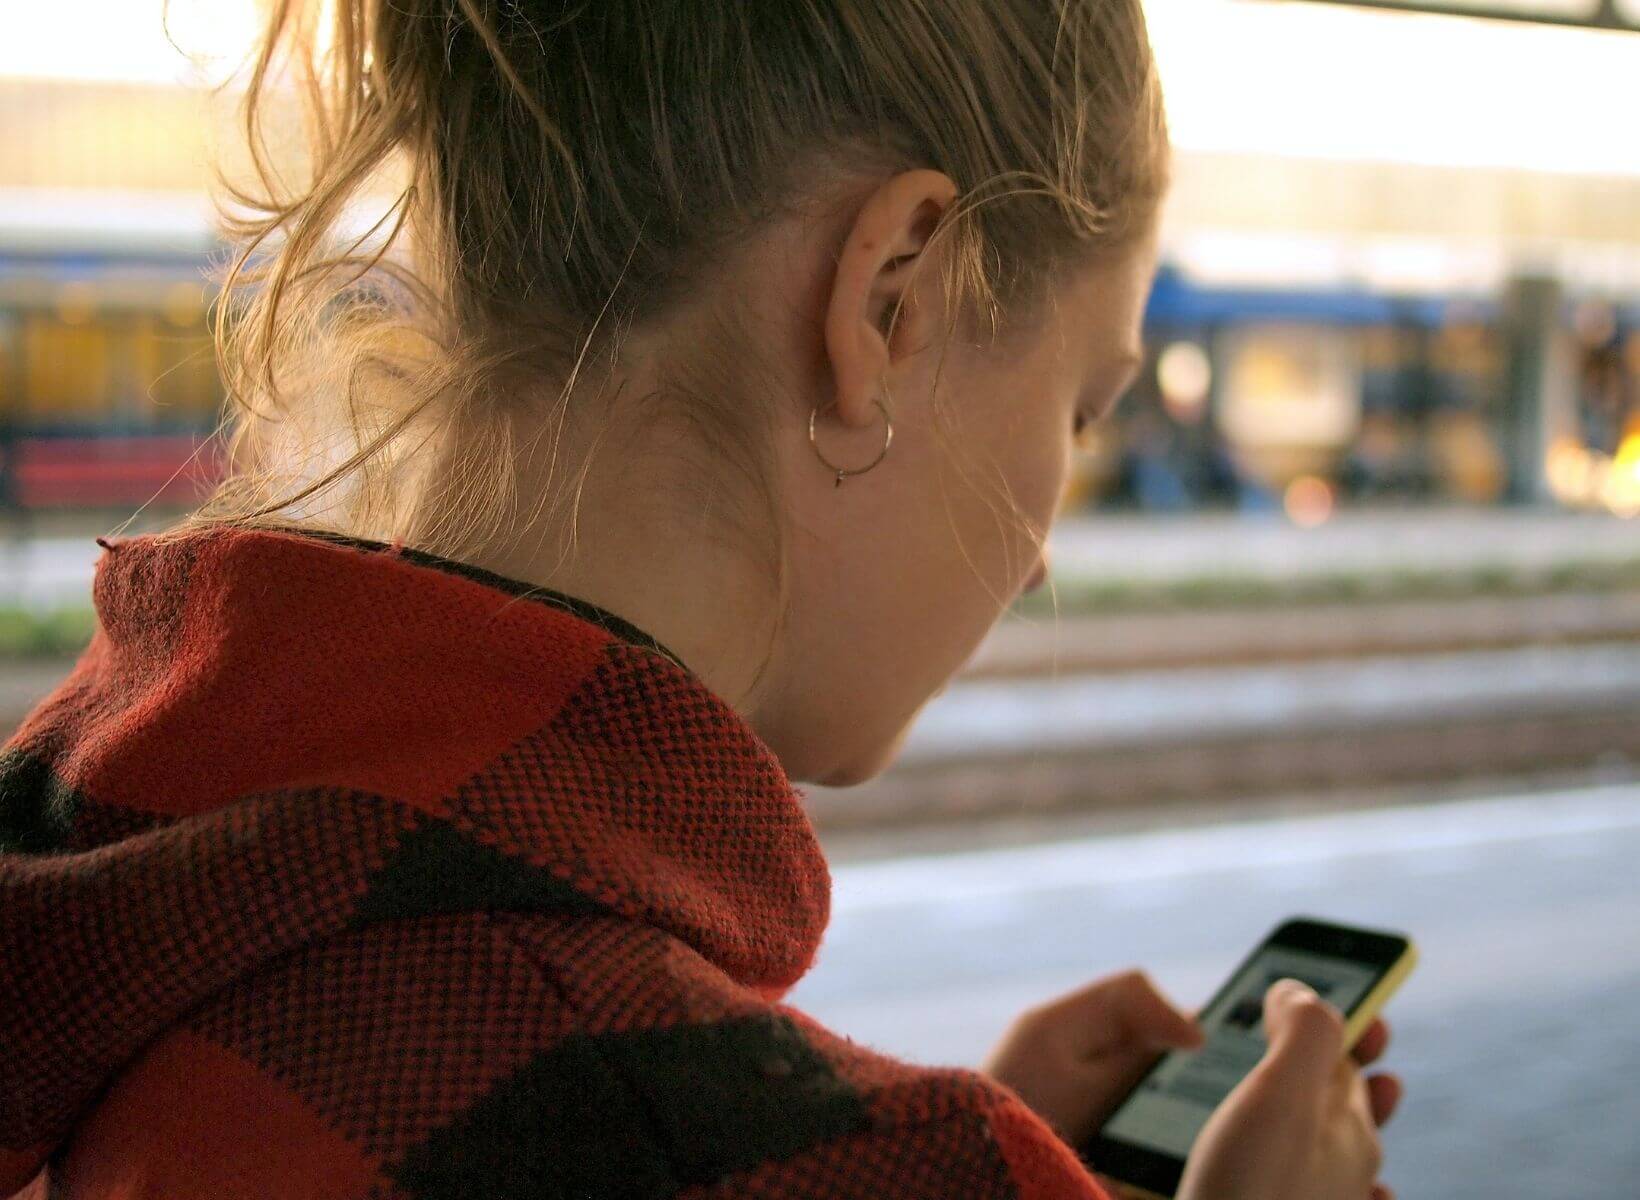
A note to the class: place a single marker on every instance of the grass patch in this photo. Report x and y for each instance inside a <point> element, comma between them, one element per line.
<point>1088,596</point>
<point>56,633</point>
<point>64,632</point>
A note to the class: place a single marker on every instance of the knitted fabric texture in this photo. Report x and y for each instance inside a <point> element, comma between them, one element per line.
<point>340,870</point>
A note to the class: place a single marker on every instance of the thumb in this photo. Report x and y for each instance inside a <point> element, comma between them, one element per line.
<point>1306,1033</point>
<point>1157,1023</point>
<point>1183,1029</point>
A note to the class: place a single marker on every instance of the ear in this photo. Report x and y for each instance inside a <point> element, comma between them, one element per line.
<point>881,250</point>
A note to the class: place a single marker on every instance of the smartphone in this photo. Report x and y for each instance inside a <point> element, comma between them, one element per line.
<point>1143,1143</point>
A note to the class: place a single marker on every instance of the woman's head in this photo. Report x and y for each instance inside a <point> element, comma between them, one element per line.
<point>631,250</point>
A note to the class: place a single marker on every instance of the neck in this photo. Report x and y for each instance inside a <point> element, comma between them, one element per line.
<point>637,541</point>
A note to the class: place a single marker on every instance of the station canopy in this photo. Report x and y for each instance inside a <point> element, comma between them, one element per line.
<point>1595,14</point>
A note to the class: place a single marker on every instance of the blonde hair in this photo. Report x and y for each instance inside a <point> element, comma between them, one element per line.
<point>561,173</point>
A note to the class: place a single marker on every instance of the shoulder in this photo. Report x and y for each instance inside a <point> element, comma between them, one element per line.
<point>741,1097</point>
<point>516,1054</point>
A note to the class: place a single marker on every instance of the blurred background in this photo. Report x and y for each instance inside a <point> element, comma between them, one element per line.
<point>1345,616</point>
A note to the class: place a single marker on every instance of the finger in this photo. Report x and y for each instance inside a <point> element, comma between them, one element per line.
<point>1350,1089</point>
<point>1128,1004</point>
<point>1372,1042</point>
<point>1382,1191</point>
<point>1306,1035</point>
<point>1150,1017</point>
<point>1384,1091</point>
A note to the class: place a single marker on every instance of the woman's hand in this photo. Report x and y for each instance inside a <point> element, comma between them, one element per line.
<point>1303,1123</point>
<point>1073,1058</point>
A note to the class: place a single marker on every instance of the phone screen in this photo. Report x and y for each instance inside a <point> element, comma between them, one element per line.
<point>1168,1109</point>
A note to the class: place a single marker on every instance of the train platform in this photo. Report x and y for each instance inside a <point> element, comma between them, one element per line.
<point>1365,542</point>
<point>1515,1035</point>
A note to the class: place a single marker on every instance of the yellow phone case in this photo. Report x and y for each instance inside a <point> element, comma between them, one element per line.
<point>1371,1004</point>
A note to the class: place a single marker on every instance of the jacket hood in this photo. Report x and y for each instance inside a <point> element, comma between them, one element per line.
<point>275,736</point>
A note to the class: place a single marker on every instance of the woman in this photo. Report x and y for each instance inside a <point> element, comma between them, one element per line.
<point>422,820</point>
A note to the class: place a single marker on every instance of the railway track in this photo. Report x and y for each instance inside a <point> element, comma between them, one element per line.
<point>1148,641</point>
<point>1235,770</point>
<point>1134,713</point>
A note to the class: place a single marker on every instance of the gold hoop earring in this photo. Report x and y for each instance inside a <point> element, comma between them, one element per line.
<point>888,436</point>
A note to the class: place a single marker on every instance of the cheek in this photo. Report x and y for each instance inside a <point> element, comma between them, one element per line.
<point>1028,477</point>
<point>1041,468</point>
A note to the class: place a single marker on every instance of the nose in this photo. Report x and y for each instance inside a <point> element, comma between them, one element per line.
<point>1040,575</point>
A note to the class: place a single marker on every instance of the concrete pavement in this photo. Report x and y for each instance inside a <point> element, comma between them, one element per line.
<point>1518,1036</point>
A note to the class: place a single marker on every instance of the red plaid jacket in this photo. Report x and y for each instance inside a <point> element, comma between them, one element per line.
<point>340,870</point>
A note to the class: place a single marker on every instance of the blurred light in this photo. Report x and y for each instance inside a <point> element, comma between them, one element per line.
<point>76,303</point>
<point>98,220</point>
<point>1289,386</point>
<point>1262,257</point>
<point>1303,80</point>
<point>1408,264</point>
<point>1403,263</point>
<point>1319,81</point>
<point>126,40</point>
<point>1567,469</point>
<point>1586,478</point>
<point>1621,493</point>
<point>1185,376</point>
<point>1308,501</point>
